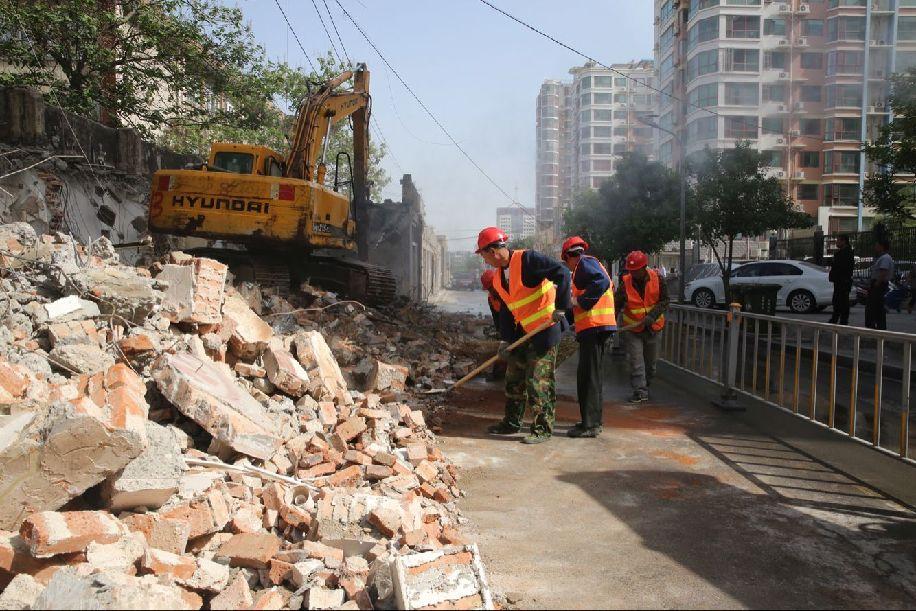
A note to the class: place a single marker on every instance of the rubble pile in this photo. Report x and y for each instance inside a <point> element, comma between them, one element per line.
<point>168,440</point>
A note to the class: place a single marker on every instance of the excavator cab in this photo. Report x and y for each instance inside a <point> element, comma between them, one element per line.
<point>245,159</point>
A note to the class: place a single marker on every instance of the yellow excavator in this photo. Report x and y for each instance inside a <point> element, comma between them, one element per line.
<point>272,217</point>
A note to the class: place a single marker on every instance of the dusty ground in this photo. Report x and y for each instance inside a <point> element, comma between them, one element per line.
<point>675,505</point>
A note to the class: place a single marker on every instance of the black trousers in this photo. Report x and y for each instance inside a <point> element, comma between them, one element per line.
<point>875,314</point>
<point>592,349</point>
<point>841,302</point>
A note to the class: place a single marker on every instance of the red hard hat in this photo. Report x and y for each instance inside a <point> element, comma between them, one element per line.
<point>637,260</point>
<point>490,235</point>
<point>573,242</point>
<point>486,279</point>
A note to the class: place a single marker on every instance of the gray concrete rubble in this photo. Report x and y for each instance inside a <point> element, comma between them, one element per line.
<point>168,440</point>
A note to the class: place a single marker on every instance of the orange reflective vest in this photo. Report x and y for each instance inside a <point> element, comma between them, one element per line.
<point>639,305</point>
<point>530,307</point>
<point>602,313</point>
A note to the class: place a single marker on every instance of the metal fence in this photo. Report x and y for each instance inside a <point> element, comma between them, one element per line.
<point>851,380</point>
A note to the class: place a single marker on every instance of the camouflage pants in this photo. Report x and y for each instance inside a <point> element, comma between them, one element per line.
<point>530,381</point>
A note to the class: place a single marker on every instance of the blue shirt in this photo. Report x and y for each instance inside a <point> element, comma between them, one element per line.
<point>535,269</point>
<point>592,279</point>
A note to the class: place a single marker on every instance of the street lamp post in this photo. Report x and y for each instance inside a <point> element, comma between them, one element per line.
<point>648,120</point>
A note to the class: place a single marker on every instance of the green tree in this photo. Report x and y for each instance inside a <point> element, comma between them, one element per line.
<point>522,243</point>
<point>137,63</point>
<point>636,209</point>
<point>894,153</point>
<point>732,196</point>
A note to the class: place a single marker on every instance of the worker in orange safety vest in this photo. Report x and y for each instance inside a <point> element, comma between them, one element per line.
<point>642,301</point>
<point>498,371</point>
<point>595,321</point>
<point>534,292</point>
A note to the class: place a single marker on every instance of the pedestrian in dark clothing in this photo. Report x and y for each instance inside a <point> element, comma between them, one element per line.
<point>841,276</point>
<point>881,272</point>
<point>595,321</point>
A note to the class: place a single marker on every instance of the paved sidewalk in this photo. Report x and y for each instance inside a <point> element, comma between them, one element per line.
<point>675,505</point>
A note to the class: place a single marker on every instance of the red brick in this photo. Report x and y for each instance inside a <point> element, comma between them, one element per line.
<point>351,428</point>
<point>237,595</point>
<point>318,470</point>
<point>250,550</point>
<point>357,457</point>
<point>387,520</point>
<point>385,458</point>
<point>426,471</point>
<point>136,344</point>
<point>416,453</point>
<point>348,477</point>
<point>378,472</point>
<point>49,533</point>
<point>278,571</point>
<point>161,563</point>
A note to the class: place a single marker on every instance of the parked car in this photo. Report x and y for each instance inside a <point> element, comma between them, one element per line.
<point>804,287</point>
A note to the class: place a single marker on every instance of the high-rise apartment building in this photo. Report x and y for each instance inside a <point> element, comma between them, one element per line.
<point>518,222</point>
<point>583,126</point>
<point>806,81</point>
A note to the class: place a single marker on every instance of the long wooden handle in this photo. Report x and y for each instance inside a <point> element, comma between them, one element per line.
<point>494,358</point>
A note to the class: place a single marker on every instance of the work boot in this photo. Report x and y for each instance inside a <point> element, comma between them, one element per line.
<point>534,438</point>
<point>572,432</point>
<point>583,432</point>
<point>637,397</point>
<point>502,428</point>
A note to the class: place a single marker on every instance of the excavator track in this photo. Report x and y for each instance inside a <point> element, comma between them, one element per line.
<point>354,279</point>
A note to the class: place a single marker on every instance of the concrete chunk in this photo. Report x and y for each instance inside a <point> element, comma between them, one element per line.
<point>316,357</point>
<point>285,372</point>
<point>202,392</point>
<point>52,456</point>
<point>21,593</point>
<point>248,333</point>
<point>81,358</point>
<point>236,596</point>
<point>48,533</point>
<point>195,291</point>
<point>150,479</point>
<point>384,376</point>
<point>69,589</point>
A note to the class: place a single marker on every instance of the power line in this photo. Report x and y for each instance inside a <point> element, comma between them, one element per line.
<point>336,31</point>
<point>296,36</point>
<point>630,78</point>
<point>425,108</point>
<point>397,114</point>
<point>327,33</point>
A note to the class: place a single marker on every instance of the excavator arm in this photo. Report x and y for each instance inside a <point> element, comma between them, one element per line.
<point>316,116</point>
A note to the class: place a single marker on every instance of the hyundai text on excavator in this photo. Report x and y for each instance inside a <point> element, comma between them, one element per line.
<point>281,223</point>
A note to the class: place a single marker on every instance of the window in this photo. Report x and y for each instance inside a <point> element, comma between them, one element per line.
<point>620,81</point>
<point>775,60</point>
<point>666,10</point>
<point>585,99</point>
<point>905,60</point>
<point>809,159</point>
<point>810,93</point>
<point>845,128</point>
<point>844,95</point>
<point>601,165</point>
<point>751,270</point>
<point>704,96</point>
<point>773,125</point>
<point>237,163</point>
<point>584,149</point>
<point>704,128</point>
<point>845,62</point>
<point>601,148</point>
<point>620,131</point>
<point>583,132</point>
<point>601,98</point>
<point>741,94</point>
<point>699,5</point>
<point>809,127</point>
<point>773,159</point>
<point>742,26</point>
<point>774,27</point>
<point>774,93</point>
<point>846,28</point>
<point>807,192</point>
<point>841,162</point>
<point>601,115</point>
<point>702,31</point>
<point>812,61</point>
<point>742,2</point>
<point>742,60</point>
<point>741,127</point>
<point>841,195</point>
<point>780,269</point>
<point>836,3</point>
<point>667,38</point>
<point>813,27</point>
<point>906,28</point>
<point>585,83</point>
<point>601,131</point>
<point>620,98</point>
<point>702,63</point>
<point>602,81</point>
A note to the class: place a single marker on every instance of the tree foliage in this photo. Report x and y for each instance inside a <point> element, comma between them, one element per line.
<point>894,153</point>
<point>638,208</point>
<point>732,196</point>
<point>183,72</point>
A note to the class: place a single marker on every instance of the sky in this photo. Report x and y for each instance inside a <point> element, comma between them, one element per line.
<point>477,71</point>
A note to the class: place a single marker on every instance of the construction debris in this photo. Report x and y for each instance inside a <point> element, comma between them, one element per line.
<point>169,441</point>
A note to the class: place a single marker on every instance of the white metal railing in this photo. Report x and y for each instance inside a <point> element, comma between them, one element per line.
<point>852,380</point>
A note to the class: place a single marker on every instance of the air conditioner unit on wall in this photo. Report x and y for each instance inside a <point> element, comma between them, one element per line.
<point>802,42</point>
<point>783,42</point>
<point>804,8</point>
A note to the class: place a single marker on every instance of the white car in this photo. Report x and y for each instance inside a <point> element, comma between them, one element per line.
<point>804,287</point>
